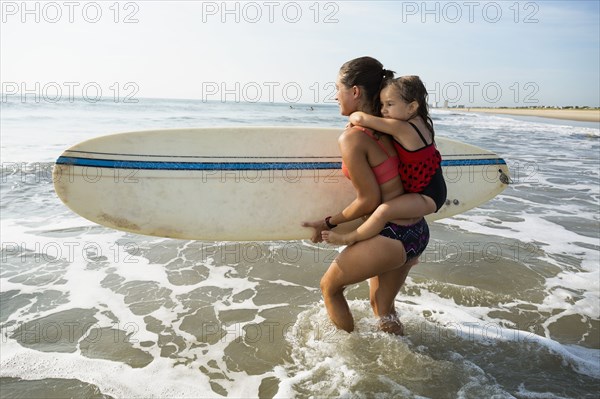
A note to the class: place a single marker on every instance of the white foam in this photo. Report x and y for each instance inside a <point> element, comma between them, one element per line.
<point>473,323</point>
<point>319,353</point>
<point>159,379</point>
<point>525,393</point>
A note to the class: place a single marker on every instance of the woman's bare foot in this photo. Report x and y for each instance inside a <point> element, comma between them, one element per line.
<point>335,238</point>
<point>391,324</point>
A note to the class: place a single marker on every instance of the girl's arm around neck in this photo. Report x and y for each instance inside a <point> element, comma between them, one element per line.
<point>394,127</point>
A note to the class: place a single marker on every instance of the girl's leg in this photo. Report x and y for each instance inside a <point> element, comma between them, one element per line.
<point>357,263</point>
<point>406,206</point>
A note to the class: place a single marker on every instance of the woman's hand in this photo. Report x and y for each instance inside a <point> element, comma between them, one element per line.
<point>319,226</point>
<point>357,118</point>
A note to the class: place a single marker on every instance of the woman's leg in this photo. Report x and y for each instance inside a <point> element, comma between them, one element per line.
<point>359,262</point>
<point>406,206</point>
<point>383,291</point>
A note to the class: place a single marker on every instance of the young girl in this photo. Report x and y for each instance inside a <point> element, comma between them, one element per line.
<point>406,119</point>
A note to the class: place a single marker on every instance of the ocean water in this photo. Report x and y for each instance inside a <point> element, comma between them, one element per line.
<point>505,302</point>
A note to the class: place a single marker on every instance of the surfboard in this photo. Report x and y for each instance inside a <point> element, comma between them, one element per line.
<point>237,183</point>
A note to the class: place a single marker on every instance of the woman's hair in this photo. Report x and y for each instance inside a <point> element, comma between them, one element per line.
<point>411,88</point>
<point>369,75</point>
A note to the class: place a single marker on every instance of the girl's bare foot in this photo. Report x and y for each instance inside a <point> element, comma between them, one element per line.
<point>335,238</point>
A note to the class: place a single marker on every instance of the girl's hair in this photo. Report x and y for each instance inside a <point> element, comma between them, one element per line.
<point>411,88</point>
<point>369,74</point>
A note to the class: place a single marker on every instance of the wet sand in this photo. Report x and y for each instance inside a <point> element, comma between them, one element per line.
<point>583,115</point>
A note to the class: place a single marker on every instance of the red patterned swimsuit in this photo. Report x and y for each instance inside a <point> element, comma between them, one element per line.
<point>414,237</point>
<point>421,171</point>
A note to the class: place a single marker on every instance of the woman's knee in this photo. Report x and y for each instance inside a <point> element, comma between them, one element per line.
<point>324,284</point>
<point>328,287</point>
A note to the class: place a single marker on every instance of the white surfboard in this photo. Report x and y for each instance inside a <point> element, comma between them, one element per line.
<point>237,183</point>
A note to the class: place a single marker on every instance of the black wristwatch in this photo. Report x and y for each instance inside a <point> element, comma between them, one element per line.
<point>329,224</point>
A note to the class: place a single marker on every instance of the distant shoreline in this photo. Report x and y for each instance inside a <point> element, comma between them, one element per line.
<point>582,115</point>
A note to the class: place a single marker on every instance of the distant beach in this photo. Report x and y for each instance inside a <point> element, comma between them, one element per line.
<point>583,115</point>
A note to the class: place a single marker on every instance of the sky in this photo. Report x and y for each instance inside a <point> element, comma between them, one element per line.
<point>470,53</point>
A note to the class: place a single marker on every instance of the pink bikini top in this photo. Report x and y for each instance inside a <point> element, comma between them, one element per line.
<point>386,170</point>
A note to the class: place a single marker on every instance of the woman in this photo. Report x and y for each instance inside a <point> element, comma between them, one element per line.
<point>369,160</point>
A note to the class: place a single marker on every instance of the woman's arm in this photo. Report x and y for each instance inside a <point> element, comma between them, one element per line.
<point>368,192</point>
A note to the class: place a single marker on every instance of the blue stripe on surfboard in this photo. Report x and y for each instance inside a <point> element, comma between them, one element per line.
<point>469,162</point>
<point>120,164</point>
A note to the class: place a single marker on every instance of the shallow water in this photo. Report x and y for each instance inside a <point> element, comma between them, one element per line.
<point>504,303</point>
